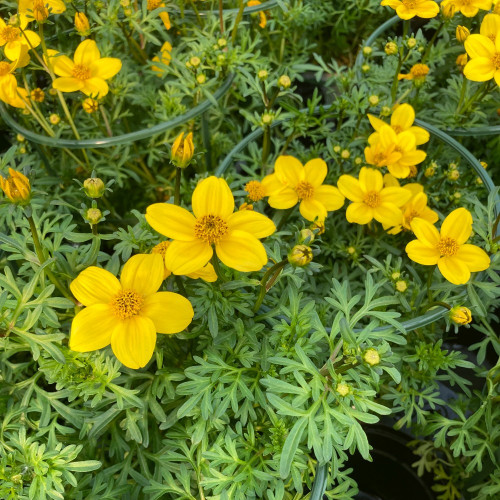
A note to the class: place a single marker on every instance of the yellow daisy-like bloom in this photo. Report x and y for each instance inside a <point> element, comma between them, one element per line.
<point>294,183</point>
<point>16,187</point>
<point>166,57</point>
<point>128,313</point>
<point>401,121</point>
<point>469,8</point>
<point>88,72</point>
<point>206,273</point>
<point>371,200</point>
<point>262,15</point>
<point>16,38</point>
<point>447,248</point>
<point>417,72</point>
<point>408,9</point>
<point>39,10</point>
<point>403,144</point>
<point>235,236</point>
<point>160,4</point>
<point>484,56</point>
<point>10,93</point>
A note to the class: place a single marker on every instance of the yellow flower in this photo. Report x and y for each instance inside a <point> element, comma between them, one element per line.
<point>88,72</point>
<point>460,315</point>
<point>166,57</point>
<point>182,150</point>
<point>371,200</point>
<point>371,356</point>
<point>16,187</point>
<point>10,93</point>
<point>484,56</point>
<point>128,313</point>
<point>398,151</point>
<point>447,248</point>
<point>469,8</point>
<point>90,105</point>
<point>408,9</point>
<point>293,183</point>
<point>262,15</point>
<point>16,39</point>
<point>82,24</point>
<point>54,119</point>
<point>37,95</point>
<point>235,236</point>
<point>401,121</point>
<point>490,26</point>
<point>39,10</point>
<point>418,72</point>
<point>461,33</point>
<point>300,256</point>
<point>206,273</point>
<point>160,4</point>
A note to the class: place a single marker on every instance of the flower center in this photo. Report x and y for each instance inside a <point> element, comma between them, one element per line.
<point>372,199</point>
<point>304,190</point>
<point>496,60</point>
<point>255,190</point>
<point>397,128</point>
<point>419,70</point>
<point>210,228</point>
<point>4,68</point>
<point>447,247</point>
<point>81,72</point>
<point>161,248</point>
<point>10,34</point>
<point>127,303</point>
<point>409,4</point>
<point>154,4</point>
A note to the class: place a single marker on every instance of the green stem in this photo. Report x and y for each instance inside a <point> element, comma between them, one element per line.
<point>431,43</point>
<point>239,17</point>
<point>217,268</point>
<point>221,16</point>
<point>462,96</point>
<point>180,285</point>
<point>207,143</point>
<point>177,192</point>
<point>42,259</point>
<point>269,277</point>
<point>266,148</point>
<point>106,121</point>
<point>198,17</point>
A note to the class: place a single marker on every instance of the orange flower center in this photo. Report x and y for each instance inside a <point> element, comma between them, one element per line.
<point>304,190</point>
<point>496,60</point>
<point>38,95</point>
<point>154,4</point>
<point>4,68</point>
<point>255,190</point>
<point>378,159</point>
<point>397,128</point>
<point>409,4</point>
<point>81,72</point>
<point>372,199</point>
<point>447,247</point>
<point>10,34</point>
<point>161,248</point>
<point>419,70</point>
<point>210,228</point>
<point>127,303</point>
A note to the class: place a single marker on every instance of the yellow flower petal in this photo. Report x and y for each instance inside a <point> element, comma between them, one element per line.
<point>421,253</point>
<point>170,312</point>
<point>490,25</point>
<point>458,225</point>
<point>371,179</point>
<point>184,257</point>
<point>105,68</point>
<point>330,197</point>
<point>405,13</point>
<point>91,328</point>
<point>480,69</point>
<point>61,64</point>
<point>172,221</point>
<point>312,210</point>
<point>286,198</point>
<point>67,84</point>
<point>479,46</point>
<point>133,341</point>
<point>242,251</point>
<point>95,87</point>
<point>315,172</point>
<point>395,195</point>
<point>289,170</point>
<point>421,135</point>
<point>86,53</point>
<point>454,270</point>
<point>252,222</point>
<point>375,122</point>
<point>475,258</point>
<point>212,196</point>
<point>359,213</point>
<point>425,232</point>
<point>95,286</point>
<point>206,273</point>
<point>350,187</point>
<point>388,213</point>
<point>403,117</point>
<point>399,171</point>
<point>143,273</point>
<point>271,184</point>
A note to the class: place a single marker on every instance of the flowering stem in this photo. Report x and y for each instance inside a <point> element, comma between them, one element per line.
<point>177,192</point>
<point>193,6</point>
<point>239,17</point>
<point>217,268</point>
<point>266,147</point>
<point>221,16</point>
<point>268,280</point>
<point>431,43</point>
<point>106,121</point>
<point>395,80</point>
<point>180,285</point>
<point>42,259</point>
<point>429,283</point>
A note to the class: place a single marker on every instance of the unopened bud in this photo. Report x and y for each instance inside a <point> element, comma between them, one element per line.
<point>306,236</point>
<point>460,315</point>
<point>284,81</point>
<point>82,24</point>
<point>93,216</point>
<point>462,33</point>
<point>300,256</point>
<point>391,48</point>
<point>94,187</point>
<point>371,356</point>
<point>182,150</point>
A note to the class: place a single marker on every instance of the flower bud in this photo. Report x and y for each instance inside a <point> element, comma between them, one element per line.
<point>262,74</point>
<point>94,187</point>
<point>453,174</point>
<point>300,256</point>
<point>430,171</point>
<point>461,33</point>
<point>460,315</point>
<point>306,236</point>
<point>345,154</point>
<point>411,42</point>
<point>367,51</point>
<point>343,389</point>
<point>54,119</point>
<point>401,286</point>
<point>371,356</point>
<point>351,250</point>
<point>484,164</point>
<point>448,9</point>
<point>20,137</point>
<point>318,227</point>
<point>385,111</point>
<point>194,61</point>
<point>93,216</point>
<point>16,187</point>
<point>336,149</point>
<point>365,68</point>
<point>39,12</point>
<point>245,206</point>
<point>182,150</point>
<point>267,119</point>
<point>391,48</point>
<point>221,42</point>
<point>373,100</point>
<point>461,60</point>
<point>90,105</point>
<point>37,95</point>
<point>284,81</point>
<point>201,78</point>
<point>82,24</point>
